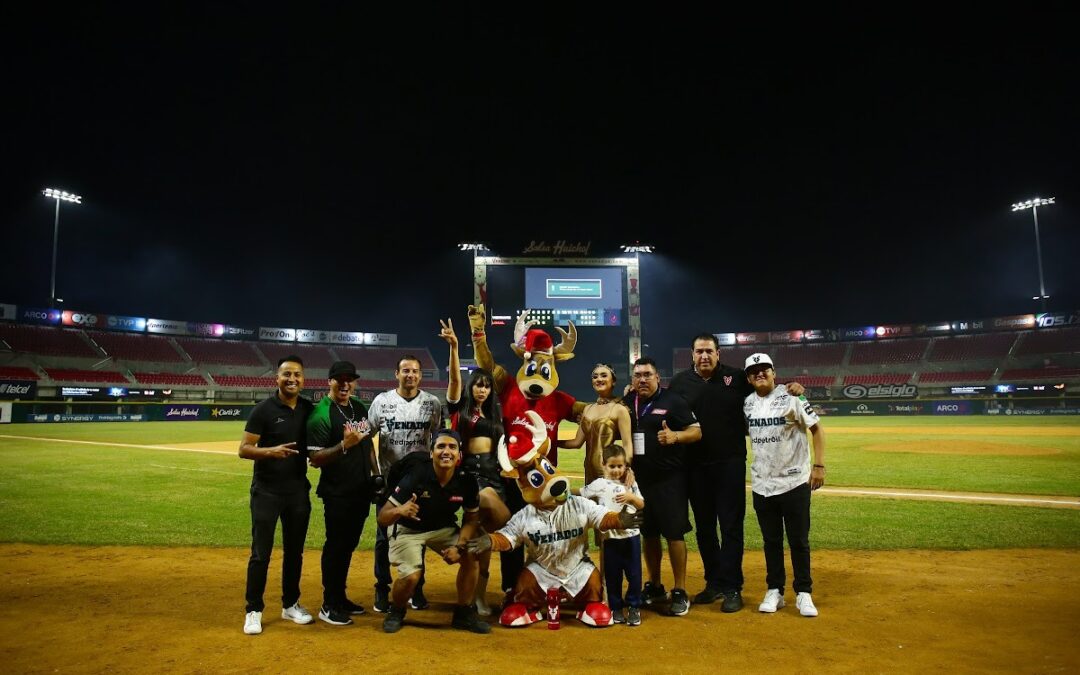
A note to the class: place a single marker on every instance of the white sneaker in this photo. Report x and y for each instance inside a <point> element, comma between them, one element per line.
<point>772,602</point>
<point>296,614</point>
<point>805,604</point>
<point>253,623</point>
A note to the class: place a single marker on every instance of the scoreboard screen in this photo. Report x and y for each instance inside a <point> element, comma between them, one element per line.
<point>588,296</point>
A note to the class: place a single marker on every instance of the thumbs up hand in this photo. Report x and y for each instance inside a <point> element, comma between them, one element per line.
<point>666,435</point>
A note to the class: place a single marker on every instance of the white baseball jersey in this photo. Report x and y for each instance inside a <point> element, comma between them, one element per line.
<point>604,491</point>
<point>778,424</point>
<point>403,426</point>
<point>557,542</point>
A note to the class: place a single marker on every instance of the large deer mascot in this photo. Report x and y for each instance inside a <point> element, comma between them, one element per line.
<point>554,529</point>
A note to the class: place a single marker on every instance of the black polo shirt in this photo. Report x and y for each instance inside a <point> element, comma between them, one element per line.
<point>276,423</point>
<point>718,405</point>
<point>647,416</point>
<point>438,503</point>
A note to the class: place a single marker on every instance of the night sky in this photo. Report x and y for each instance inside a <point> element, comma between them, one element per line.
<point>316,168</point>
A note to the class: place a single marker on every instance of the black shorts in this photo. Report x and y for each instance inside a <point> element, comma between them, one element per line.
<point>485,468</point>
<point>667,505</point>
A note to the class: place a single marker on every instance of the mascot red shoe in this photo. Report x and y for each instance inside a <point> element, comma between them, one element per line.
<point>554,528</point>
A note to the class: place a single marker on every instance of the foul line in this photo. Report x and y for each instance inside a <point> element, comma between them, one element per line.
<point>827,490</point>
<point>117,445</point>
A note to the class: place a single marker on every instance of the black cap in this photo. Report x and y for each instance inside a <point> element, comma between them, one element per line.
<point>341,368</point>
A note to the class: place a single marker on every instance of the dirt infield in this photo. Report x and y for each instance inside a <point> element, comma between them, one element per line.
<point>132,609</point>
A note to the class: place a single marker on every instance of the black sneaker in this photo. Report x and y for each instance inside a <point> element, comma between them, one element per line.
<point>352,607</point>
<point>732,602</point>
<point>617,616</point>
<point>418,600</point>
<point>382,600</point>
<point>394,619</point>
<point>334,616</point>
<point>708,596</point>
<point>466,618</point>
<point>651,593</point>
<point>680,602</point>
<point>633,616</point>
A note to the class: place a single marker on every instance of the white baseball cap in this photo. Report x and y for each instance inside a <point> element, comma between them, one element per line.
<point>758,360</point>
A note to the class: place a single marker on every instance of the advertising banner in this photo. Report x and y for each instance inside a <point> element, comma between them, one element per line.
<point>168,327</point>
<point>135,324</point>
<point>751,338</point>
<point>786,336</point>
<point>381,339</point>
<point>13,389</point>
<point>1014,322</point>
<point>880,391</point>
<point>859,333</point>
<point>239,333</point>
<point>725,339</point>
<point>181,412</point>
<point>279,334</point>
<point>5,413</point>
<point>906,409</point>
<point>952,407</point>
<point>339,337</point>
<point>1055,320</point>
<point>1041,411</point>
<point>818,334</point>
<point>42,317</point>
<point>7,312</point>
<point>59,417</point>
<point>968,325</point>
<point>82,319</point>
<point>207,329</point>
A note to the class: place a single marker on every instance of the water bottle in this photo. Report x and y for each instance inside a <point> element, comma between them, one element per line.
<point>553,608</point>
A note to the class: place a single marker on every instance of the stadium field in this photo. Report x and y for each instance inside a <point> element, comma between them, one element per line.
<point>124,548</point>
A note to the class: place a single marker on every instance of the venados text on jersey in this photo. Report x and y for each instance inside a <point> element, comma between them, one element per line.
<point>767,421</point>
<point>572,533</point>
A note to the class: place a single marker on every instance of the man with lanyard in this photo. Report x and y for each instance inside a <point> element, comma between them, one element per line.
<point>717,466</point>
<point>274,439</point>
<point>404,419</point>
<point>422,510</point>
<point>663,424</point>
<point>336,427</point>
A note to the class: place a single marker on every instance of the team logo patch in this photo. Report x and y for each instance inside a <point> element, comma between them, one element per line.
<point>660,411</point>
<point>727,380</point>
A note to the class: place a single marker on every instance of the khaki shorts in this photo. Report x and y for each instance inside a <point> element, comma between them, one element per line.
<point>407,547</point>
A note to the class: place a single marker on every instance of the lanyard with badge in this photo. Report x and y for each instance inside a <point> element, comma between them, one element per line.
<point>639,436</point>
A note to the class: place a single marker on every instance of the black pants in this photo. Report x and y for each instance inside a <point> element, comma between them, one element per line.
<point>294,511</point>
<point>512,562</point>
<point>623,557</point>
<point>718,498</point>
<point>344,518</point>
<point>790,511</point>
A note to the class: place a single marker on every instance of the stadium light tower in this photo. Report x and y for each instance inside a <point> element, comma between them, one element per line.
<point>59,196</point>
<point>1034,205</point>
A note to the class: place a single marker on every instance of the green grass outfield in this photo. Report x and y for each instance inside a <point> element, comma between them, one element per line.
<point>62,493</point>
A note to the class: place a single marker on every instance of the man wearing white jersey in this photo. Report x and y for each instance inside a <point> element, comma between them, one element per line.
<point>782,479</point>
<point>404,420</point>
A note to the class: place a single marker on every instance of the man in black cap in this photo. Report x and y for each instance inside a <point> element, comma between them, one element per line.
<point>334,430</point>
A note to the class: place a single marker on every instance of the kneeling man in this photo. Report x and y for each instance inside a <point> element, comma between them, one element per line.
<point>422,511</point>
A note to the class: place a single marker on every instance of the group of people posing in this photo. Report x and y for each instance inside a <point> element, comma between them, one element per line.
<point>659,450</point>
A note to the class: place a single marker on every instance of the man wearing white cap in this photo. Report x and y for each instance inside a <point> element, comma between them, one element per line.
<point>781,483</point>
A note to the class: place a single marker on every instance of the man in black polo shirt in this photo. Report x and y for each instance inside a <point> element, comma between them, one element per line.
<point>274,438</point>
<point>717,464</point>
<point>339,443</point>
<point>663,424</point>
<point>422,511</point>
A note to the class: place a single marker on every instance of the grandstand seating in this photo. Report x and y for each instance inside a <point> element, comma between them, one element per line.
<point>805,356</point>
<point>136,347</point>
<point>171,379</point>
<point>1049,341</point>
<point>77,375</point>
<point>46,340</point>
<point>314,356</point>
<point>1020,374</point>
<point>956,376</point>
<point>878,378</point>
<point>972,347</point>
<point>384,358</point>
<point>220,352</point>
<point>888,351</point>
<point>18,373</point>
<point>245,382</point>
<point>809,380</point>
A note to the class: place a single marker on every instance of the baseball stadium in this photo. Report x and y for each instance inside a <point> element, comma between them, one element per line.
<point>952,500</point>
